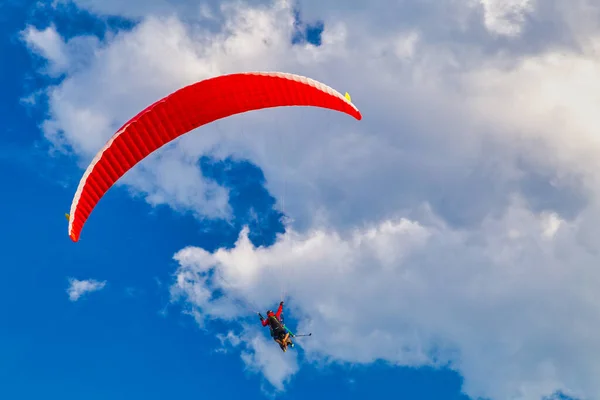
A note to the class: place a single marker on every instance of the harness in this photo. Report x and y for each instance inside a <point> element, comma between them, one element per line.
<point>274,323</point>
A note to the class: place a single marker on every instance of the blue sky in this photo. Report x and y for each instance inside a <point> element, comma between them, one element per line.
<point>116,343</point>
<point>454,212</point>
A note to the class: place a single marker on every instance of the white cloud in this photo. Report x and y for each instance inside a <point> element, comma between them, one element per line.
<point>506,17</point>
<point>418,78</point>
<point>258,356</point>
<point>497,309</point>
<point>277,367</point>
<point>230,339</point>
<point>49,45</point>
<point>496,134</point>
<point>62,56</point>
<point>78,288</point>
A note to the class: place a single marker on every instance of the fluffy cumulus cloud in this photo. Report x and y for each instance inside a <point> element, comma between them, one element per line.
<point>510,305</point>
<point>48,44</point>
<point>462,210</point>
<point>276,367</point>
<point>78,288</point>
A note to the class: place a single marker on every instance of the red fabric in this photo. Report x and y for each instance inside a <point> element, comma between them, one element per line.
<point>185,110</point>
<point>277,315</point>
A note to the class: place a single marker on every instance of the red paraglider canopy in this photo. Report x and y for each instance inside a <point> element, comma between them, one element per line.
<point>189,108</point>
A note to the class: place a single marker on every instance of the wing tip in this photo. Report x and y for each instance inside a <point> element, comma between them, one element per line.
<point>355,111</point>
<point>72,235</point>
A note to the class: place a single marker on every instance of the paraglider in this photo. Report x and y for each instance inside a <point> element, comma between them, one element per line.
<point>279,332</point>
<point>187,109</point>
